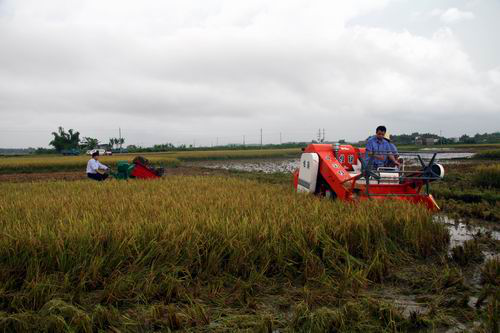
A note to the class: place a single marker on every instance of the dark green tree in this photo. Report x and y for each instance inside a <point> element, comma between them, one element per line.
<point>120,142</point>
<point>116,142</point>
<point>63,141</point>
<point>112,143</point>
<point>89,143</point>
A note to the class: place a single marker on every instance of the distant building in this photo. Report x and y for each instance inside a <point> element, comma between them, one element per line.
<point>429,141</point>
<point>419,141</point>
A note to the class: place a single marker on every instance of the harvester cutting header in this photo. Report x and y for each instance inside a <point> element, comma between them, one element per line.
<point>347,173</point>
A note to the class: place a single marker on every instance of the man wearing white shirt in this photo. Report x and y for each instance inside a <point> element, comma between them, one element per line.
<point>93,167</point>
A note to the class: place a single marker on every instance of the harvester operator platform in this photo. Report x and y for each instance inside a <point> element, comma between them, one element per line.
<point>95,169</point>
<point>380,151</point>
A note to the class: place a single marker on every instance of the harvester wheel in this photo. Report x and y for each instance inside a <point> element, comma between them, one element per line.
<point>324,190</point>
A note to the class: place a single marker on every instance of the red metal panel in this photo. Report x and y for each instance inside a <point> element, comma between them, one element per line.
<point>142,172</point>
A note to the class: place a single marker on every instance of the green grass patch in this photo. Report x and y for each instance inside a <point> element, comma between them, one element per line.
<point>487,176</point>
<point>469,190</point>
<point>488,155</point>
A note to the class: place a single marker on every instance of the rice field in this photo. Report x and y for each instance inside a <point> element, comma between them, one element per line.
<point>470,191</point>
<point>50,163</point>
<point>487,176</point>
<point>493,154</point>
<point>199,254</point>
<point>237,251</point>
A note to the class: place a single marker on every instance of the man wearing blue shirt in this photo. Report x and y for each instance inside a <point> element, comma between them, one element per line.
<point>379,150</point>
<point>393,150</point>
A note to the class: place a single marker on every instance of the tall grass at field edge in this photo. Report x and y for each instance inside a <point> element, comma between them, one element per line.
<point>487,176</point>
<point>493,154</point>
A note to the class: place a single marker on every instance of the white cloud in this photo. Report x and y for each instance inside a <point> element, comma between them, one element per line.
<point>178,70</point>
<point>452,15</point>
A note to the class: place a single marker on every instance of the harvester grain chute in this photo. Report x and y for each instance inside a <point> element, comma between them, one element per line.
<point>344,172</point>
<point>140,168</point>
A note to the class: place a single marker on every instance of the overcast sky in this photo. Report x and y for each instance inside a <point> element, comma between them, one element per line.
<point>192,71</point>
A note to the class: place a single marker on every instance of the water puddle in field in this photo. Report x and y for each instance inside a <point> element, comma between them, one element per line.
<point>263,165</point>
<point>446,156</point>
<point>442,158</point>
<point>291,164</point>
<point>408,306</point>
<point>461,232</point>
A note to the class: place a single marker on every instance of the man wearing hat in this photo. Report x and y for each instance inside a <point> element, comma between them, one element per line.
<point>379,151</point>
<point>95,168</point>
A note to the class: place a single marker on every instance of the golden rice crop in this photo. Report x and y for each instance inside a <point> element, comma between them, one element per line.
<point>85,255</point>
<point>69,163</point>
<point>487,176</point>
<point>65,163</point>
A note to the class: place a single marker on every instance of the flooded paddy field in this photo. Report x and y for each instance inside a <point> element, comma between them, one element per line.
<point>273,165</point>
<point>461,232</point>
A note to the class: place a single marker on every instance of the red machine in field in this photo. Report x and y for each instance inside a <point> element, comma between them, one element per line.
<point>140,168</point>
<point>142,171</point>
<point>343,172</point>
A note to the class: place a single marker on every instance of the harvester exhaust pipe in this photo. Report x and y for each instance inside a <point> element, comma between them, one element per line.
<point>336,148</point>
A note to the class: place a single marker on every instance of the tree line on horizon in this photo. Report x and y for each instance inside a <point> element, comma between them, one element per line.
<point>70,140</point>
<point>410,139</point>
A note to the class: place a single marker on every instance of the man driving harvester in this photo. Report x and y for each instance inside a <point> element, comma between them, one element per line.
<point>95,169</point>
<point>379,151</point>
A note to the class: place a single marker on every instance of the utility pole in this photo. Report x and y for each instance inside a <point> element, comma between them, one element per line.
<point>261,138</point>
<point>243,140</point>
<point>323,135</point>
<point>280,138</point>
<point>120,136</point>
<point>217,142</point>
<point>319,135</point>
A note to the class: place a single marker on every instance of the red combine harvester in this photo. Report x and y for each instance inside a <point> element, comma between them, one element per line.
<point>343,172</point>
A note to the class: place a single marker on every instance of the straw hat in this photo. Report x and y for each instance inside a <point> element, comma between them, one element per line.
<point>387,136</point>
